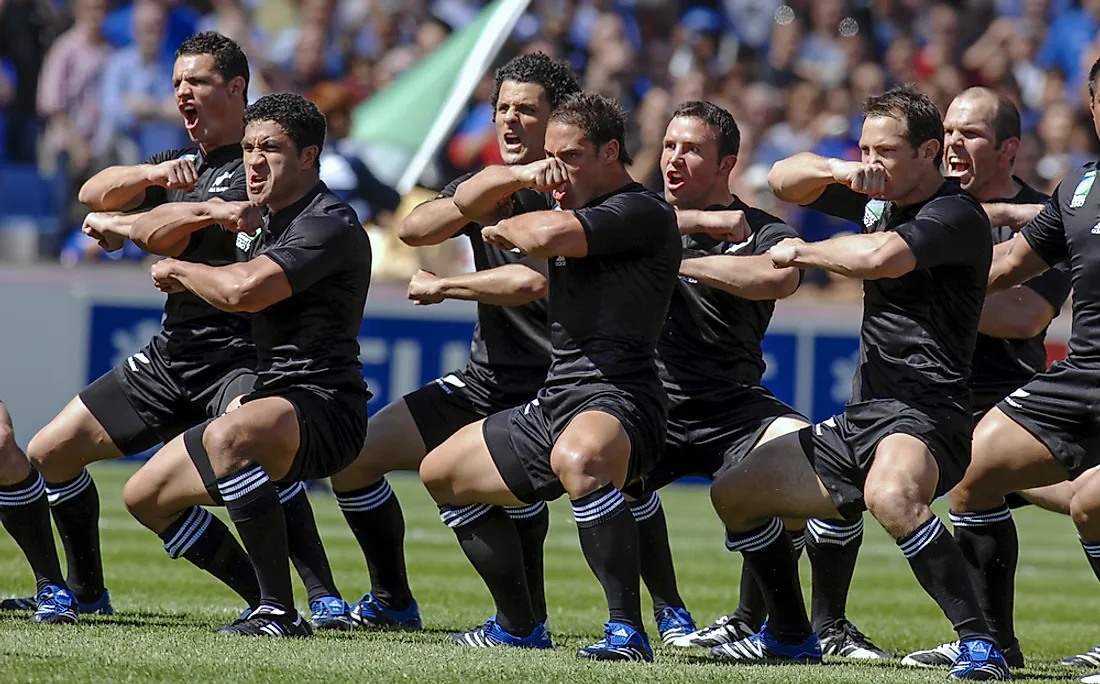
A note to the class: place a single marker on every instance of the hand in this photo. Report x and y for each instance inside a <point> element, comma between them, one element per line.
<point>164,277</point>
<point>543,175</point>
<point>491,236</point>
<point>96,226</point>
<point>867,179</point>
<point>240,217</point>
<point>424,288</point>
<point>728,226</point>
<point>175,174</point>
<point>786,253</point>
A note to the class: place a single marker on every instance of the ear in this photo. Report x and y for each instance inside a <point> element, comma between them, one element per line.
<point>726,164</point>
<point>929,149</point>
<point>611,151</point>
<point>236,85</point>
<point>1009,148</point>
<point>308,157</point>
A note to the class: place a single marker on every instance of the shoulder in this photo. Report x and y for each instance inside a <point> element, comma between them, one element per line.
<point>450,189</point>
<point>955,204</point>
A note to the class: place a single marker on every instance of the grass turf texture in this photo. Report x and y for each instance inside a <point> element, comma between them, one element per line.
<point>166,610</point>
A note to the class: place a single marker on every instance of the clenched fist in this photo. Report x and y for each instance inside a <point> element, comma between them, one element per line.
<point>174,174</point>
<point>543,175</point>
<point>864,178</point>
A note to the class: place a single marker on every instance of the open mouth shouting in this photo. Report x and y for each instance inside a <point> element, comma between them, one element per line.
<point>190,115</point>
<point>674,180</point>
<point>957,167</point>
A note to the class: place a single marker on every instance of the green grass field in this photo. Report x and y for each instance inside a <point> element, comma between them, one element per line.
<point>168,609</point>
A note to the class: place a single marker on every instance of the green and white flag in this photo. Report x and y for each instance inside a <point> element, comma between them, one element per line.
<point>420,109</point>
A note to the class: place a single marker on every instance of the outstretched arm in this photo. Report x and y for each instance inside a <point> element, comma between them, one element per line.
<point>508,285</point>
<point>432,223</point>
<point>121,188</point>
<point>1013,263</point>
<point>1016,313</point>
<point>540,234</point>
<point>250,286</point>
<point>748,277</point>
<point>802,179</point>
<point>866,257</point>
<point>1015,216</point>
<point>167,229</point>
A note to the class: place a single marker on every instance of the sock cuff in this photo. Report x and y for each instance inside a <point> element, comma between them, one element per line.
<point>835,532</point>
<point>364,499</point>
<point>756,539</point>
<point>22,493</point>
<point>921,538</point>
<point>598,506</point>
<point>525,512</point>
<point>183,533</point>
<point>64,491</point>
<point>458,516</point>
<point>1092,549</point>
<point>981,518</point>
<point>798,539</point>
<point>289,491</point>
<point>644,509</point>
<point>242,482</point>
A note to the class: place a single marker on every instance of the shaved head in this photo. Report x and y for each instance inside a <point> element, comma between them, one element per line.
<point>996,110</point>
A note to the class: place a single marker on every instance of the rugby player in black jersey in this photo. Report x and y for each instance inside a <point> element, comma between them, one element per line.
<point>1044,432</point>
<point>199,362</point>
<point>904,437</point>
<point>304,279</point>
<point>509,356</point>
<point>982,132</point>
<point>598,423</point>
<point>711,365</point>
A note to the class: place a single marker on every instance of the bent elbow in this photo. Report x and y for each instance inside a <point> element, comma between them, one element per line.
<point>243,295</point>
<point>787,285</point>
<point>409,234</point>
<point>89,198</point>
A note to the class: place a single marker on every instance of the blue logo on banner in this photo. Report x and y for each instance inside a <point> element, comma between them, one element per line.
<point>116,333</point>
<point>401,354</point>
<point>835,360</point>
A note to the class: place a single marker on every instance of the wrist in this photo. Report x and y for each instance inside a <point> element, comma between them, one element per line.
<point>153,176</point>
<point>836,170</point>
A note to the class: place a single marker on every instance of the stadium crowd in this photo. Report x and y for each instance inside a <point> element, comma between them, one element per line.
<point>90,83</point>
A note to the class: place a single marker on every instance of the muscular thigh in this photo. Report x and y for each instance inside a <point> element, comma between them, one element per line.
<point>775,479</point>
<point>263,431</point>
<point>462,471</point>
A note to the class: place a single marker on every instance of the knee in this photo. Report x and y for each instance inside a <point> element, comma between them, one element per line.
<point>438,477</point>
<point>578,468</point>
<point>42,447</point>
<point>732,501</point>
<point>1081,510</point>
<point>139,496</point>
<point>224,442</point>
<point>897,505</point>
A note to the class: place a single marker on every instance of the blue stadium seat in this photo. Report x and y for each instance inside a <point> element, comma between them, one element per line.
<point>31,208</point>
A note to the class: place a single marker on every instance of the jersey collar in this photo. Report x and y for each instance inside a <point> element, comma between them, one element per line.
<point>279,220</point>
<point>220,155</point>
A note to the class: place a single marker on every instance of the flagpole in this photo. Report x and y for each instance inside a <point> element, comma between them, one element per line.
<point>497,30</point>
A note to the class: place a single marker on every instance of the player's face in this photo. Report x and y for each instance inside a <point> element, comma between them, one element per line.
<point>969,143</point>
<point>211,108</point>
<point>585,163</point>
<point>520,117</point>
<point>274,167</point>
<point>690,163</point>
<point>883,142</point>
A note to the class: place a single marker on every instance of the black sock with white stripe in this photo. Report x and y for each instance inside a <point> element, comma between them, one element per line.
<point>532,523</point>
<point>609,540</point>
<point>833,546</point>
<point>1092,551</point>
<point>942,571</point>
<point>751,607</point>
<point>253,505</point>
<point>489,539</point>
<point>26,516</point>
<point>75,508</point>
<point>658,572</point>
<point>306,550</point>
<point>989,544</point>
<point>206,542</point>
<point>770,555</point>
<point>374,516</point>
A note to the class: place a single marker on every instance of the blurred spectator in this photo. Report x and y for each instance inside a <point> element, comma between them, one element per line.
<point>820,57</point>
<point>1070,35</point>
<point>474,143</point>
<point>68,91</point>
<point>139,115</point>
<point>23,35</point>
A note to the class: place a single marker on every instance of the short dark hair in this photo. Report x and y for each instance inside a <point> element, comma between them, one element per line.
<point>599,117</point>
<point>1094,73</point>
<point>729,136</point>
<point>228,56</point>
<point>300,118</point>
<point>555,76</point>
<point>912,108</point>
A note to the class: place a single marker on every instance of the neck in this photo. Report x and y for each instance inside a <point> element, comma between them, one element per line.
<point>614,181</point>
<point>927,187</point>
<point>212,144</point>
<point>304,186</point>
<point>718,197</point>
<point>1004,186</point>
